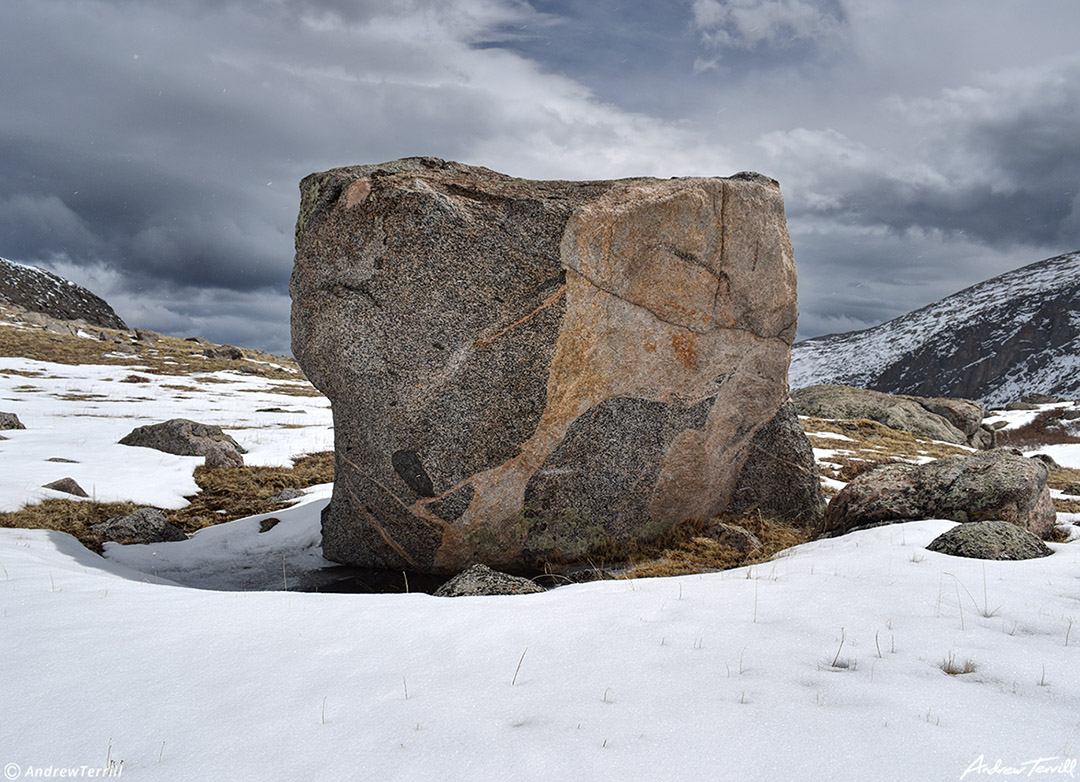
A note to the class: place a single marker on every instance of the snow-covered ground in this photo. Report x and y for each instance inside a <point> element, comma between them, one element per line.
<point>824,664</point>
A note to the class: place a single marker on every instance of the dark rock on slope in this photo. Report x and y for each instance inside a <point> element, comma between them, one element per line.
<point>38,290</point>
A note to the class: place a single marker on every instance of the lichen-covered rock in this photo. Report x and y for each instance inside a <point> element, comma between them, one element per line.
<point>146,525</point>
<point>10,421</point>
<point>994,539</point>
<point>779,479</point>
<point>997,484</point>
<point>528,371</point>
<point>188,438</point>
<point>482,580</point>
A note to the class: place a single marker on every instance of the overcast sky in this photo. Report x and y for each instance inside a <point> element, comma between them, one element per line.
<point>151,149</point>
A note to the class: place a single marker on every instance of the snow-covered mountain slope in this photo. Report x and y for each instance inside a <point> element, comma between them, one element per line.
<point>1014,334</point>
<point>42,291</point>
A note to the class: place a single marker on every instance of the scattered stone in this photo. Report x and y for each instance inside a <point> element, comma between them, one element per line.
<point>134,379</point>
<point>997,484</point>
<point>229,352</point>
<point>10,421</point>
<point>993,539</point>
<point>1073,489</point>
<point>197,340</point>
<point>61,460</point>
<point>1047,459</point>
<point>1021,406</point>
<point>125,348</point>
<point>285,495</point>
<point>582,365</point>
<point>248,369</point>
<point>1042,399</point>
<point>67,486</point>
<point>220,455</point>
<point>188,438</point>
<point>1071,414</point>
<point>146,525</point>
<point>145,335</point>
<point>949,420</point>
<point>268,524</point>
<point>482,580</point>
<point>280,410</point>
<point>732,536</point>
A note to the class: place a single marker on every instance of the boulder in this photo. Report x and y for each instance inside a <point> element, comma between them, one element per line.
<point>188,438</point>
<point>10,421</point>
<point>997,484</point>
<point>230,352</point>
<point>524,372</point>
<point>949,420</point>
<point>732,536</point>
<point>146,525</point>
<point>67,486</point>
<point>779,479</point>
<point>994,539</point>
<point>482,580</point>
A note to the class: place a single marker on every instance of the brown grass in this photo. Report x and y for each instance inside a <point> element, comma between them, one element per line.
<point>230,493</point>
<point>227,494</point>
<point>1047,428</point>
<point>70,516</point>
<point>684,550</point>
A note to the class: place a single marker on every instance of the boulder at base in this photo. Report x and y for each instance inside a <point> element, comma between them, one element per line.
<point>998,484</point>
<point>990,540</point>
<point>482,580</point>
<point>146,525</point>
<point>524,372</point>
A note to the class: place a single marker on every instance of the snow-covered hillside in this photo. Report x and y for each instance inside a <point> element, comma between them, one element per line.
<point>39,290</point>
<point>827,663</point>
<point>1011,335</point>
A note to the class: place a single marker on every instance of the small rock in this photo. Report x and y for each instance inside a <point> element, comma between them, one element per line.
<point>10,421</point>
<point>125,349</point>
<point>197,340</point>
<point>268,524</point>
<point>67,486</point>
<point>732,536</point>
<point>230,352</point>
<point>482,580</point>
<point>146,525</point>
<point>1042,399</point>
<point>285,495</point>
<point>1021,406</point>
<point>145,335</point>
<point>61,460</point>
<point>990,540</point>
<point>1047,459</point>
<point>1073,489</point>
<point>219,456</point>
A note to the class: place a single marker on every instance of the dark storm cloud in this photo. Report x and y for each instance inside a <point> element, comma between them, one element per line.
<point>152,149</point>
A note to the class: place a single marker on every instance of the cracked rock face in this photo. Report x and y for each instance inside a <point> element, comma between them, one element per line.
<point>527,371</point>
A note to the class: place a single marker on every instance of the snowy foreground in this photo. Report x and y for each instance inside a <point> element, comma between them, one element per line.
<point>824,664</point>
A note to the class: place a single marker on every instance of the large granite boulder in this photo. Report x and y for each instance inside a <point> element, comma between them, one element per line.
<point>949,420</point>
<point>987,485</point>
<point>524,372</point>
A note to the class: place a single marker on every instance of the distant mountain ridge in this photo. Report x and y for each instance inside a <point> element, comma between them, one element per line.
<point>42,291</point>
<point>1011,335</point>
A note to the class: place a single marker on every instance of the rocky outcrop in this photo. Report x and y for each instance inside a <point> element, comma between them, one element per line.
<point>482,580</point>
<point>990,540</point>
<point>949,420</point>
<point>527,371</point>
<point>41,291</point>
<point>188,438</point>
<point>1010,335</point>
<point>146,525</point>
<point>998,484</point>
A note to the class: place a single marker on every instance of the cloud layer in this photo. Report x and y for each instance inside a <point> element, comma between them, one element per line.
<point>151,150</point>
